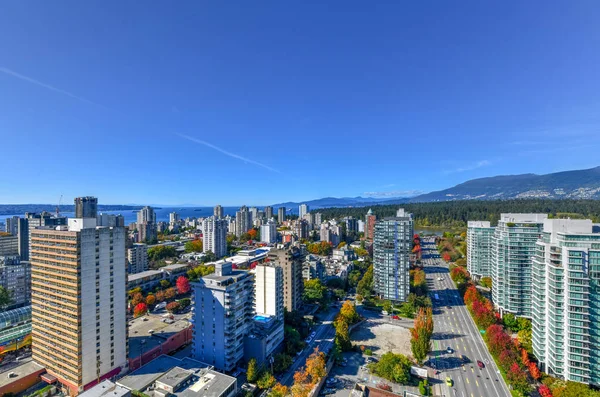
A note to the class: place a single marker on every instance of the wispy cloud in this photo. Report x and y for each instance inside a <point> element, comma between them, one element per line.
<point>47,86</point>
<point>225,152</point>
<point>394,193</point>
<point>469,167</point>
<point>389,185</point>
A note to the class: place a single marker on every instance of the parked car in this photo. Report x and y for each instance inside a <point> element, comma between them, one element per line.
<point>449,381</point>
<point>449,350</point>
<point>395,317</point>
<point>480,364</point>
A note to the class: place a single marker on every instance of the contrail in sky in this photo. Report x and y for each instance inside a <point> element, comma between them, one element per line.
<point>48,86</point>
<point>225,152</point>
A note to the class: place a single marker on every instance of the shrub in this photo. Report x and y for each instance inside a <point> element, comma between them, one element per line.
<point>368,352</point>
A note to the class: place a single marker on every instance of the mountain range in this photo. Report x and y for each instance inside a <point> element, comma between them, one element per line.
<point>578,184</point>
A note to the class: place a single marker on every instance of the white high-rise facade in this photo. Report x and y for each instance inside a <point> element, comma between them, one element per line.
<point>302,210</point>
<point>79,327</point>
<point>269,290</point>
<point>565,300</point>
<point>513,247</point>
<point>268,232</point>
<point>222,316</point>
<point>479,248</point>
<point>137,256</point>
<point>214,236</point>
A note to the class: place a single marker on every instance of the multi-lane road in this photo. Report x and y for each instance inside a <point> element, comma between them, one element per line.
<point>325,333</point>
<point>454,328</point>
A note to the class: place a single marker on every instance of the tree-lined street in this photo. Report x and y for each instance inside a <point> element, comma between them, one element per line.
<point>454,329</point>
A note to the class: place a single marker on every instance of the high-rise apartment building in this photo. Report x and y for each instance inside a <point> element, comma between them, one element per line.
<point>331,232</point>
<point>9,245</point>
<point>173,218</point>
<point>479,248</point>
<point>243,221</point>
<point>223,313</point>
<point>12,225</point>
<point>310,220</point>
<point>268,232</point>
<point>79,328</point>
<point>269,290</point>
<point>351,224</point>
<point>301,229</point>
<point>30,222</point>
<point>513,246</point>
<point>253,214</point>
<point>15,277</point>
<point>566,300</point>
<point>318,219</point>
<point>86,207</point>
<point>290,260</point>
<point>137,257</point>
<point>109,220</point>
<point>302,210</point>
<point>281,214</point>
<point>146,225</point>
<point>392,246</point>
<point>268,212</point>
<point>370,220</point>
<point>214,236</point>
<point>218,212</point>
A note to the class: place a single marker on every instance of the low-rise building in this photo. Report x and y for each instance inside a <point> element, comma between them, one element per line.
<point>169,376</point>
<point>264,339</point>
<point>15,277</point>
<point>344,254</point>
<point>151,336</point>
<point>106,388</point>
<point>313,268</point>
<point>151,278</point>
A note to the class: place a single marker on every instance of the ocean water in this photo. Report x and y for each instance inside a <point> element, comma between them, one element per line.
<point>162,214</point>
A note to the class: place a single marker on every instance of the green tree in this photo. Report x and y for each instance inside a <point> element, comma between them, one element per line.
<point>194,246</point>
<point>524,337</point>
<point>266,381</point>
<point>393,367</point>
<point>164,284</point>
<point>5,297</point>
<point>342,335</point>
<point>252,371</point>
<point>348,312</point>
<point>387,306</point>
<point>282,362</point>
<point>524,324</point>
<point>510,322</point>
<point>314,291</point>
<point>365,285</point>
<point>161,252</point>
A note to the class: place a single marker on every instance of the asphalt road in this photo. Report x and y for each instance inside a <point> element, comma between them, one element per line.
<point>323,340</point>
<point>455,328</point>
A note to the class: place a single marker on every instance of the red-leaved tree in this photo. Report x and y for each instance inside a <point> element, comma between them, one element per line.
<point>183,285</point>
<point>140,309</point>
<point>544,391</point>
<point>524,357</point>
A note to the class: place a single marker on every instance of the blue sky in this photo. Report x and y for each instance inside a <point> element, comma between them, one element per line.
<point>262,102</point>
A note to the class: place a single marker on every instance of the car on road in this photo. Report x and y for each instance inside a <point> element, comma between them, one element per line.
<point>327,391</point>
<point>395,317</point>
<point>449,350</point>
<point>440,279</point>
<point>449,381</point>
<point>313,334</point>
<point>330,382</point>
<point>480,364</point>
<point>448,307</point>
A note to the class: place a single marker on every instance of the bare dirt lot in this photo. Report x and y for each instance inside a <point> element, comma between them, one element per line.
<point>382,337</point>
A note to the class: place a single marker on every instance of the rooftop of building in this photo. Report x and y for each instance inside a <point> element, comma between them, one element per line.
<point>106,388</point>
<point>523,218</point>
<point>171,371</point>
<point>21,371</point>
<point>141,340</point>
<point>150,273</point>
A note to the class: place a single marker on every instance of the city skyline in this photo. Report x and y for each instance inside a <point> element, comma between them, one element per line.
<point>222,87</point>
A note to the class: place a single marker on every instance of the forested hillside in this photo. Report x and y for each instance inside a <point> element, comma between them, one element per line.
<point>457,213</point>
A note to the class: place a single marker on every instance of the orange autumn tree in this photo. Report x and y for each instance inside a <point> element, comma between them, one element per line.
<point>278,390</point>
<point>534,370</point>
<point>307,377</point>
<point>140,309</point>
<point>150,300</point>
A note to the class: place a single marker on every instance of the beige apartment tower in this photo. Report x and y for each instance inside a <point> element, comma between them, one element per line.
<point>79,329</point>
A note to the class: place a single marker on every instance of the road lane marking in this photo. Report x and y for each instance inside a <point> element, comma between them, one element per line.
<point>477,383</point>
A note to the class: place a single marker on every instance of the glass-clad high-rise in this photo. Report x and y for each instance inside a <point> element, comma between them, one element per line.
<point>513,247</point>
<point>391,252</point>
<point>566,300</point>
